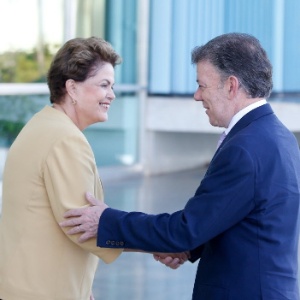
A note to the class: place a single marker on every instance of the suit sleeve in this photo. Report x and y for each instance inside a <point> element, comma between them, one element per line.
<point>70,171</point>
<point>224,197</point>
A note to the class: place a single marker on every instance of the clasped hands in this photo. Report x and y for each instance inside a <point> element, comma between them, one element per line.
<point>85,220</point>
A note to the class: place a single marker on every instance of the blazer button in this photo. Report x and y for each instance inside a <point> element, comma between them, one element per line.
<point>121,243</point>
<point>112,243</point>
<point>107,242</point>
<point>117,243</point>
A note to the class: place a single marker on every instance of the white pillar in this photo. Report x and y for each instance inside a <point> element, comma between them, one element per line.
<point>278,44</point>
<point>142,63</point>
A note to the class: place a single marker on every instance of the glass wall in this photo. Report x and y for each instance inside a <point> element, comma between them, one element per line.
<point>37,28</point>
<point>31,31</point>
<point>178,26</point>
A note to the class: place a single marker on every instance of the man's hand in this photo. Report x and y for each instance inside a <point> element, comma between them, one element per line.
<point>84,220</point>
<point>172,260</point>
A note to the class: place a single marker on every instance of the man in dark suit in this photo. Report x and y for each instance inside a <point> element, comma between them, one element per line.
<point>243,221</point>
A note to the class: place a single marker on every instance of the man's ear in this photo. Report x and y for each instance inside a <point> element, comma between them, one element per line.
<point>232,86</point>
<point>71,88</point>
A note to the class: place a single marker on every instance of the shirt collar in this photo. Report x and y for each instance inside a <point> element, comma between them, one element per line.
<point>243,112</point>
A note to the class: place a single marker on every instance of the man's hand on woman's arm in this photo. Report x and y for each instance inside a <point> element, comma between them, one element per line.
<point>85,220</point>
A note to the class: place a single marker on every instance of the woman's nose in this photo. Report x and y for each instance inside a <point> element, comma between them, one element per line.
<point>111,95</point>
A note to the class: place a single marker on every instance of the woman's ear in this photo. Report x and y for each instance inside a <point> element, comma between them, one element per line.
<point>71,87</point>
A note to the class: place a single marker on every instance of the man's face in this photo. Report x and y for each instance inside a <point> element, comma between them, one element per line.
<point>212,92</point>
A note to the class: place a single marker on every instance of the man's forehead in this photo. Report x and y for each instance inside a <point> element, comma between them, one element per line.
<point>205,64</point>
<point>205,69</point>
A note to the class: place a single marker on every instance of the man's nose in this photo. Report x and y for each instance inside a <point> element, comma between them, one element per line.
<point>197,95</point>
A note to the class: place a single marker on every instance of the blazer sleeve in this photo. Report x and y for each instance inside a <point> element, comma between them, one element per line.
<point>70,171</point>
<point>224,197</point>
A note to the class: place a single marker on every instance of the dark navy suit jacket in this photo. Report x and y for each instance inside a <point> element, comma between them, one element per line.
<point>243,220</point>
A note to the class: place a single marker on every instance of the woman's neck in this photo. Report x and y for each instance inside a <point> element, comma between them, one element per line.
<point>69,111</point>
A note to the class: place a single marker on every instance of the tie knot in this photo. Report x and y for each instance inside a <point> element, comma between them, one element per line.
<point>221,139</point>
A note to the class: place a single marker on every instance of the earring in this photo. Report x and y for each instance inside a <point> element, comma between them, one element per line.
<point>74,102</point>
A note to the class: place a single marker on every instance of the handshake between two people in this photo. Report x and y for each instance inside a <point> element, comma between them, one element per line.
<point>85,220</point>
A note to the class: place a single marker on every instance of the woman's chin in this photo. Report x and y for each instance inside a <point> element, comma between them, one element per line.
<point>103,118</point>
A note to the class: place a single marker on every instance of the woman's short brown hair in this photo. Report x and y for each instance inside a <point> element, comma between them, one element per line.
<point>77,59</point>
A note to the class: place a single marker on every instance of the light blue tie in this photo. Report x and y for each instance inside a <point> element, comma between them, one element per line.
<point>221,139</point>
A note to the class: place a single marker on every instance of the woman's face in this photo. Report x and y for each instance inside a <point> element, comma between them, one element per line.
<point>94,96</point>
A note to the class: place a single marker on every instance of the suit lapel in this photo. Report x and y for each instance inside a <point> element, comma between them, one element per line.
<point>248,119</point>
<point>244,122</point>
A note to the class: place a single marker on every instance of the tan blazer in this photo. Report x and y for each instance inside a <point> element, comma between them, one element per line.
<point>48,169</point>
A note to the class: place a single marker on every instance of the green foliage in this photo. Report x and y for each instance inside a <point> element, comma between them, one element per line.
<point>25,66</point>
<point>10,129</point>
<point>21,67</point>
<point>14,113</point>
